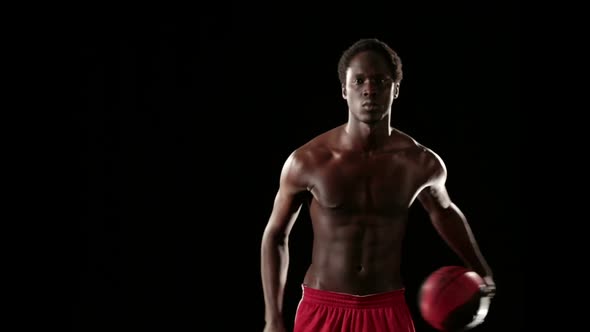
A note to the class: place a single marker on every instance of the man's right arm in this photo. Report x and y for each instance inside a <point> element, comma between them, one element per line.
<point>275,246</point>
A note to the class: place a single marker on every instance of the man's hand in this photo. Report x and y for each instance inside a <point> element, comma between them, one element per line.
<point>489,288</point>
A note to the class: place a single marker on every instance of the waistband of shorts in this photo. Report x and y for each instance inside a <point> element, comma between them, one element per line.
<point>318,296</point>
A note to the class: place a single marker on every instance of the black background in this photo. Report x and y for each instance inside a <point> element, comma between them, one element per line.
<point>184,125</point>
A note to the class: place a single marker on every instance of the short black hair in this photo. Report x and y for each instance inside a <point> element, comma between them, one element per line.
<point>371,44</point>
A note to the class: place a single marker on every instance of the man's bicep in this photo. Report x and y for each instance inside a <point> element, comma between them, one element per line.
<point>286,207</point>
<point>290,196</point>
<point>288,201</point>
<point>434,198</point>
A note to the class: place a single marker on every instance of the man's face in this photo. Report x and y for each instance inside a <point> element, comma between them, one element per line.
<point>369,89</point>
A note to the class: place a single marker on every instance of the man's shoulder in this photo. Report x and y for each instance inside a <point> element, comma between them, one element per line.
<point>306,158</point>
<point>316,150</point>
<point>405,142</point>
<point>318,145</point>
<point>402,140</point>
<point>425,155</point>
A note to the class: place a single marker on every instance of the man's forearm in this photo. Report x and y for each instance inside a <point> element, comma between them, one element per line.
<point>455,230</point>
<point>275,261</point>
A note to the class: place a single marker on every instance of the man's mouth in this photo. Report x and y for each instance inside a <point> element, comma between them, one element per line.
<point>370,103</point>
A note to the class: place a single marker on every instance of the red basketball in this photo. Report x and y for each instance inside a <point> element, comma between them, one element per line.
<point>451,299</point>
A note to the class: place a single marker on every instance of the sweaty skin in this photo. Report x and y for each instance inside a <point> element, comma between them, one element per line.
<point>359,180</point>
<point>359,208</point>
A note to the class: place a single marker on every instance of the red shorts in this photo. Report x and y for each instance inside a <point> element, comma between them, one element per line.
<point>325,311</point>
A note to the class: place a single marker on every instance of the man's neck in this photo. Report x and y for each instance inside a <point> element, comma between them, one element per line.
<point>364,136</point>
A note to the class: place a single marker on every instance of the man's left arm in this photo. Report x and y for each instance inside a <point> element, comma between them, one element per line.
<point>452,225</point>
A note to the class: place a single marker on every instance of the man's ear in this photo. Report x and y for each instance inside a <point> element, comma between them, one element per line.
<point>396,90</point>
<point>343,91</point>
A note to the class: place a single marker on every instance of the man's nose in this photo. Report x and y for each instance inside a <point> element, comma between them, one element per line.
<point>370,88</point>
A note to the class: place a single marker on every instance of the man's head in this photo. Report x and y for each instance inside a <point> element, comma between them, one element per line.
<point>377,46</point>
<point>370,73</point>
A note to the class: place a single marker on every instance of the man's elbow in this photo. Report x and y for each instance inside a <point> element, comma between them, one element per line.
<point>274,237</point>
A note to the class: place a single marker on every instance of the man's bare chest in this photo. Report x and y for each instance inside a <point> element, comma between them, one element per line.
<point>366,184</point>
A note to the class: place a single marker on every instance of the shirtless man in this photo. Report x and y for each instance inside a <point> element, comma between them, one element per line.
<point>359,181</point>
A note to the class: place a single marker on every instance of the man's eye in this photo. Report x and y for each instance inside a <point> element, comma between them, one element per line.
<point>358,81</point>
